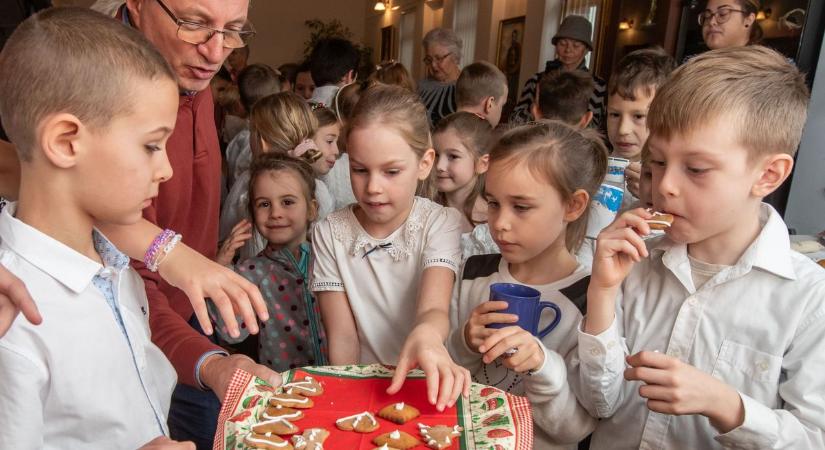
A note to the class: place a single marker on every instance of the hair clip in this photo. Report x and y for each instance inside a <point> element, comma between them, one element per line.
<point>305,146</point>
<point>316,105</point>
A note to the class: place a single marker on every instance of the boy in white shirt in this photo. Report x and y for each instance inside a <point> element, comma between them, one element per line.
<point>89,104</point>
<point>723,323</point>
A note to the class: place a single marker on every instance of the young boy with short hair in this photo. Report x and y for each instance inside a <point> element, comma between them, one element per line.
<point>89,104</point>
<point>333,64</point>
<point>713,335</point>
<point>481,89</point>
<point>255,82</point>
<point>564,95</point>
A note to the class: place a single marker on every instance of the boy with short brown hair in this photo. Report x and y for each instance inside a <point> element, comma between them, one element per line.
<point>564,95</point>
<point>482,89</point>
<point>90,105</point>
<point>721,323</point>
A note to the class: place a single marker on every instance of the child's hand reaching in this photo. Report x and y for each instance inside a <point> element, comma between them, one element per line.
<point>446,380</point>
<point>241,232</point>
<point>632,175</point>
<point>476,331</point>
<point>674,387</point>
<point>527,357</point>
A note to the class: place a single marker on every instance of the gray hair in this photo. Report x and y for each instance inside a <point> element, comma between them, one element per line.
<point>447,38</point>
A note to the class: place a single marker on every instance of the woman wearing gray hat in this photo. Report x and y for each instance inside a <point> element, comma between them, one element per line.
<point>443,55</point>
<point>572,43</point>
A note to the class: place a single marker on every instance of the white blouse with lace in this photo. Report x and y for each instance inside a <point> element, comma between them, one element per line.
<point>381,276</point>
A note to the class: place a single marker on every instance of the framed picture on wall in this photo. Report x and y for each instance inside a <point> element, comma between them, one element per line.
<point>508,54</point>
<point>388,43</point>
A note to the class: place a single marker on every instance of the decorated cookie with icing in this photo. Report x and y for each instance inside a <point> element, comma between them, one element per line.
<point>309,387</point>
<point>312,439</point>
<point>291,401</point>
<point>363,422</point>
<point>281,412</point>
<point>396,439</point>
<point>399,413</point>
<point>268,441</point>
<point>385,447</point>
<point>439,436</point>
<point>275,426</point>
<point>660,221</point>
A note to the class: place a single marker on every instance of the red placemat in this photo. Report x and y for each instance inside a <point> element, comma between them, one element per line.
<point>490,418</point>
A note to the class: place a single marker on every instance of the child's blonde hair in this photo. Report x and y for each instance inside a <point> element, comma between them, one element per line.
<point>477,82</point>
<point>565,157</point>
<point>394,73</point>
<point>279,162</point>
<point>641,71</point>
<point>761,95</point>
<point>283,121</point>
<point>401,110</point>
<point>476,134</point>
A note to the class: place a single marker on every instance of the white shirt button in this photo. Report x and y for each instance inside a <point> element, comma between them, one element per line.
<point>595,352</point>
<point>106,272</point>
<point>692,301</point>
<point>762,365</point>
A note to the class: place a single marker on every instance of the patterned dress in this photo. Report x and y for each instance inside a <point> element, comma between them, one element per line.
<point>293,336</point>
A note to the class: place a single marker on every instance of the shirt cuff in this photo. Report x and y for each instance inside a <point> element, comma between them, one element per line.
<point>200,363</point>
<point>759,429</point>
<point>600,348</point>
<point>552,374</point>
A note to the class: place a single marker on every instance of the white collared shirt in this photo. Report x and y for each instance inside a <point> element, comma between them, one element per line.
<point>758,325</point>
<point>88,376</point>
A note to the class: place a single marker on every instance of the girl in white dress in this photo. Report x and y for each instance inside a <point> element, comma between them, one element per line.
<point>386,265</point>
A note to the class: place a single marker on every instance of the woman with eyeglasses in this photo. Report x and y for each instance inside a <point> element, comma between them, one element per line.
<point>730,23</point>
<point>442,50</point>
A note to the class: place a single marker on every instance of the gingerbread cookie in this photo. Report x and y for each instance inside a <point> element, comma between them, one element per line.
<point>312,439</point>
<point>660,221</point>
<point>281,412</point>
<point>308,387</point>
<point>439,436</point>
<point>397,439</point>
<point>363,422</point>
<point>399,413</point>
<point>291,401</point>
<point>266,441</point>
<point>275,426</point>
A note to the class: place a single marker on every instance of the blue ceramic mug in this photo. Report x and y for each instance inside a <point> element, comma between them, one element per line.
<point>525,302</point>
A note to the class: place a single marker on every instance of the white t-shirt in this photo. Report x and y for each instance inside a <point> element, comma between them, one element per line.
<point>381,276</point>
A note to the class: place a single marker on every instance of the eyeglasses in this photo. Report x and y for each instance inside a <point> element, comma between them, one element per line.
<point>428,60</point>
<point>195,33</point>
<point>722,15</point>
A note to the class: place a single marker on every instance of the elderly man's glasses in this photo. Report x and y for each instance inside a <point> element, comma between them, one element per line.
<point>436,59</point>
<point>196,33</point>
<point>722,15</point>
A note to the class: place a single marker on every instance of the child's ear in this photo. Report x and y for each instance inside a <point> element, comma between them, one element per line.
<point>775,170</point>
<point>312,210</point>
<point>489,104</point>
<point>483,164</point>
<point>425,164</point>
<point>576,206</point>
<point>585,120</point>
<point>61,139</point>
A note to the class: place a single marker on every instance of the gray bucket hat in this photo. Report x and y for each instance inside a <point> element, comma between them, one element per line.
<point>575,27</point>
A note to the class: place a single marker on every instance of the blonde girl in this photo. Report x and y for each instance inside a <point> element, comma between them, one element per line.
<point>386,265</point>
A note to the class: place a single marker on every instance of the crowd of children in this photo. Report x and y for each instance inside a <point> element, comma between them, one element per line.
<point>376,236</point>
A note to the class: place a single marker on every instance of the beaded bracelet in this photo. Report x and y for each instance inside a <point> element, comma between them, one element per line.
<point>168,249</point>
<point>158,249</point>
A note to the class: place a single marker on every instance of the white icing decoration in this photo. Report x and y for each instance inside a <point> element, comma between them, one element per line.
<point>293,415</point>
<point>357,417</point>
<point>399,406</point>
<point>252,438</point>
<point>290,400</point>
<point>395,435</point>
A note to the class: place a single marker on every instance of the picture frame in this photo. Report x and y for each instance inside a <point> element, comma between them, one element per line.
<point>509,53</point>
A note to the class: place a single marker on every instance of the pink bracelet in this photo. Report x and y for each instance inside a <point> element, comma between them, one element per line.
<point>151,256</point>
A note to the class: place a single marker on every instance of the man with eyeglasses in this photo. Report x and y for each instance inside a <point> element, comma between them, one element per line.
<point>195,37</point>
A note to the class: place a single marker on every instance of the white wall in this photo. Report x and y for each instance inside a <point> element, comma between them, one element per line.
<point>806,204</point>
